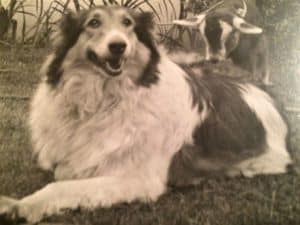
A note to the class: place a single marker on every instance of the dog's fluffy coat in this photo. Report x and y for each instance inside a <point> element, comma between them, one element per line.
<point>120,139</point>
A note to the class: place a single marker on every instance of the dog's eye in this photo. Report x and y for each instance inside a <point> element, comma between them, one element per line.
<point>94,23</point>
<point>127,22</point>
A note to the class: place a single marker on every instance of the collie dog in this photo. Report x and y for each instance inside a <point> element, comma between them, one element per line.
<point>117,121</point>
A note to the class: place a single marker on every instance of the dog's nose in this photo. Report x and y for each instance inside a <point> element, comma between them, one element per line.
<point>117,48</point>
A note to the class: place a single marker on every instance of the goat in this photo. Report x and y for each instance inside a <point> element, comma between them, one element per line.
<point>232,29</point>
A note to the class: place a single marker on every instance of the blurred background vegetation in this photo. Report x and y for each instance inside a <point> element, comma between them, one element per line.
<point>33,21</point>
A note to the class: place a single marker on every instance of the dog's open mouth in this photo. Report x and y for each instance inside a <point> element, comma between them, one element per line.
<point>112,66</point>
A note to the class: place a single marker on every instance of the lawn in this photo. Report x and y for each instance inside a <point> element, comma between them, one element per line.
<point>263,200</point>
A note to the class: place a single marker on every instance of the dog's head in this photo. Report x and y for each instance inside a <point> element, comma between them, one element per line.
<point>108,39</point>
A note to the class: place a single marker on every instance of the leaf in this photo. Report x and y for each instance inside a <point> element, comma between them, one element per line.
<point>24,12</point>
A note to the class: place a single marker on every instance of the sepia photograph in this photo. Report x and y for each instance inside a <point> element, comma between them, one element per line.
<point>150,112</point>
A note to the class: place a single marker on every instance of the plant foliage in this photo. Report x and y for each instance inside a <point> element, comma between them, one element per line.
<point>46,16</point>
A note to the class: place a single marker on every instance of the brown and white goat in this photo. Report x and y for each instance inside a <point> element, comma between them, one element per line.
<point>232,29</point>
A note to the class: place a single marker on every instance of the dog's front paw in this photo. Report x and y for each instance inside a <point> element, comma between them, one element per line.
<point>35,210</point>
<point>31,214</point>
<point>8,210</point>
<point>13,211</point>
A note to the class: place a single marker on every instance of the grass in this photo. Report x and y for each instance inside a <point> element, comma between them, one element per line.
<point>263,200</point>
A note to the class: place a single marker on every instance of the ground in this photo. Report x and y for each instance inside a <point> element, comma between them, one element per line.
<point>263,200</point>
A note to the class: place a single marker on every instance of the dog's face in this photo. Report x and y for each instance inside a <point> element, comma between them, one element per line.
<point>107,39</point>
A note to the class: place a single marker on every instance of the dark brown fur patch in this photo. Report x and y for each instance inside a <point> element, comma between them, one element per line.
<point>70,29</point>
<point>144,28</point>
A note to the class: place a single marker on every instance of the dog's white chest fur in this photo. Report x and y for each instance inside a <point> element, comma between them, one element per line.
<point>91,132</point>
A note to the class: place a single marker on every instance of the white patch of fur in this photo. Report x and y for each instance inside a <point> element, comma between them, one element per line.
<point>202,31</point>
<point>185,58</point>
<point>275,158</point>
<point>226,30</point>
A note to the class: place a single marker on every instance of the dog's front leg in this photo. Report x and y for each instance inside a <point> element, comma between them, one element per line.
<point>89,194</point>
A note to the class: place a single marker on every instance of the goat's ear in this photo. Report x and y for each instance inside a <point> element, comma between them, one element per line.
<point>245,27</point>
<point>190,22</point>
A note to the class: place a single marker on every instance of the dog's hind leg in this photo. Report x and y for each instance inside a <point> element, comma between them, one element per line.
<point>89,194</point>
<point>275,158</point>
<point>275,161</point>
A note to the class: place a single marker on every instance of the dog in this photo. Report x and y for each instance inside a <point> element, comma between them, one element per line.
<point>117,121</point>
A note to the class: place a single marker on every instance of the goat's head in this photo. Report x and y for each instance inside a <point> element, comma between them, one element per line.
<point>220,28</point>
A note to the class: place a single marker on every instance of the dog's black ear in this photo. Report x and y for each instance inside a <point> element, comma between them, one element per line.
<point>68,30</point>
<point>68,33</point>
<point>70,25</point>
<point>144,30</point>
<point>144,26</point>
<point>145,21</point>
